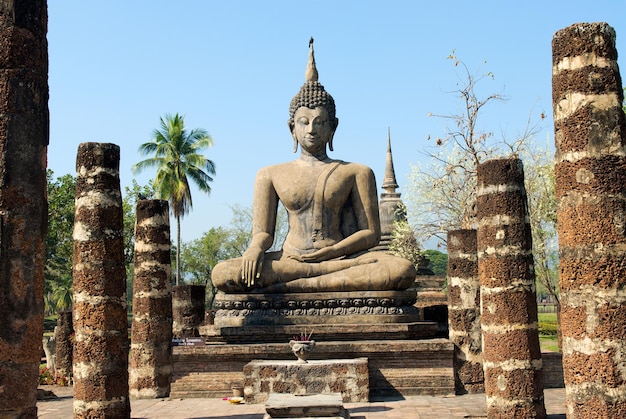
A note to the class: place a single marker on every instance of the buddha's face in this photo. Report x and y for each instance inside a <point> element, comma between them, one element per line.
<point>312,129</point>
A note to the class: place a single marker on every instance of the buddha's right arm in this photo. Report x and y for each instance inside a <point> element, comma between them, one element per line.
<point>261,241</point>
<point>265,210</point>
<point>263,225</point>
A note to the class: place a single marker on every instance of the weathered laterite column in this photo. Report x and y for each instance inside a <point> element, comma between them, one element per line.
<point>99,281</point>
<point>590,168</point>
<point>511,353</point>
<point>187,309</point>
<point>464,312</point>
<point>64,334</point>
<point>150,355</point>
<point>24,121</point>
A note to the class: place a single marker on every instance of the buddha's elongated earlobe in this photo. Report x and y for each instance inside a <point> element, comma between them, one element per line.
<point>330,142</point>
<point>292,126</point>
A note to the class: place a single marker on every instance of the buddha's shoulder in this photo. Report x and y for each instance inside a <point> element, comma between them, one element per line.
<point>276,169</point>
<point>356,168</point>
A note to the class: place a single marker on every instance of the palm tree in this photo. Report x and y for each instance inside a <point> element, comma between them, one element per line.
<point>62,294</point>
<point>177,158</point>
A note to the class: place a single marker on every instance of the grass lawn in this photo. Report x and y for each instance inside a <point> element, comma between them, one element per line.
<point>548,344</point>
<point>547,317</point>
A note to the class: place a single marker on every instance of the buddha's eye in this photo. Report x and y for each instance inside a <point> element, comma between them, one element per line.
<point>303,121</point>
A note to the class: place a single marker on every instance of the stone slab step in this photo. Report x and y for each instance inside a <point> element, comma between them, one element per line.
<point>308,406</point>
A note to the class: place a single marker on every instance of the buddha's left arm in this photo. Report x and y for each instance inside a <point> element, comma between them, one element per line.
<point>365,205</point>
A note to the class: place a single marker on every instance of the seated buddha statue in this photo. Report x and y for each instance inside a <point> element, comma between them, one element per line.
<point>333,216</point>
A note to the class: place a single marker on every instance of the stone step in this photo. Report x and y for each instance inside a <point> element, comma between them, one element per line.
<point>280,406</point>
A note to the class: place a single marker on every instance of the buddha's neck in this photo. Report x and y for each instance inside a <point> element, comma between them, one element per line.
<point>314,157</point>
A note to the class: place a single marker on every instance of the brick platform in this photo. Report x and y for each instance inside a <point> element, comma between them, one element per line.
<point>396,367</point>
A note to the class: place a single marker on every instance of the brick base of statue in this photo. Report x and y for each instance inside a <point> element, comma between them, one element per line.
<point>392,329</point>
<point>396,367</point>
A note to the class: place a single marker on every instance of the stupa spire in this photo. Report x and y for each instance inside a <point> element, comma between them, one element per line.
<point>389,181</point>
<point>390,206</point>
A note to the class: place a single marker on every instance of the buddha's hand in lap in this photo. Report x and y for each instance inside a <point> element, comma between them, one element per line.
<point>251,266</point>
<point>324,255</point>
<point>316,256</point>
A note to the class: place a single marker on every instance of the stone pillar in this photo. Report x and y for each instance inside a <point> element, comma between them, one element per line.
<point>188,309</point>
<point>511,353</point>
<point>24,121</point>
<point>150,355</point>
<point>99,281</point>
<point>64,334</point>
<point>590,169</point>
<point>464,312</point>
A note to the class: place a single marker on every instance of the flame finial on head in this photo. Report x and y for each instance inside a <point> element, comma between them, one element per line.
<point>311,70</point>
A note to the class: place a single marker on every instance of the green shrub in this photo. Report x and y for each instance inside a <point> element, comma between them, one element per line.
<point>548,328</point>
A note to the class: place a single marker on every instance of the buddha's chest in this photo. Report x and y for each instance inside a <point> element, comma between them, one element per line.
<point>304,190</point>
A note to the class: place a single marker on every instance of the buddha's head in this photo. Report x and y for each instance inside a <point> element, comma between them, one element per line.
<point>312,95</point>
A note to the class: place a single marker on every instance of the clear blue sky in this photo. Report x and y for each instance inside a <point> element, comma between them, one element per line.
<point>231,67</point>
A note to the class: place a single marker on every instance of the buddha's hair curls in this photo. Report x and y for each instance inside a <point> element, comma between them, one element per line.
<point>312,95</point>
